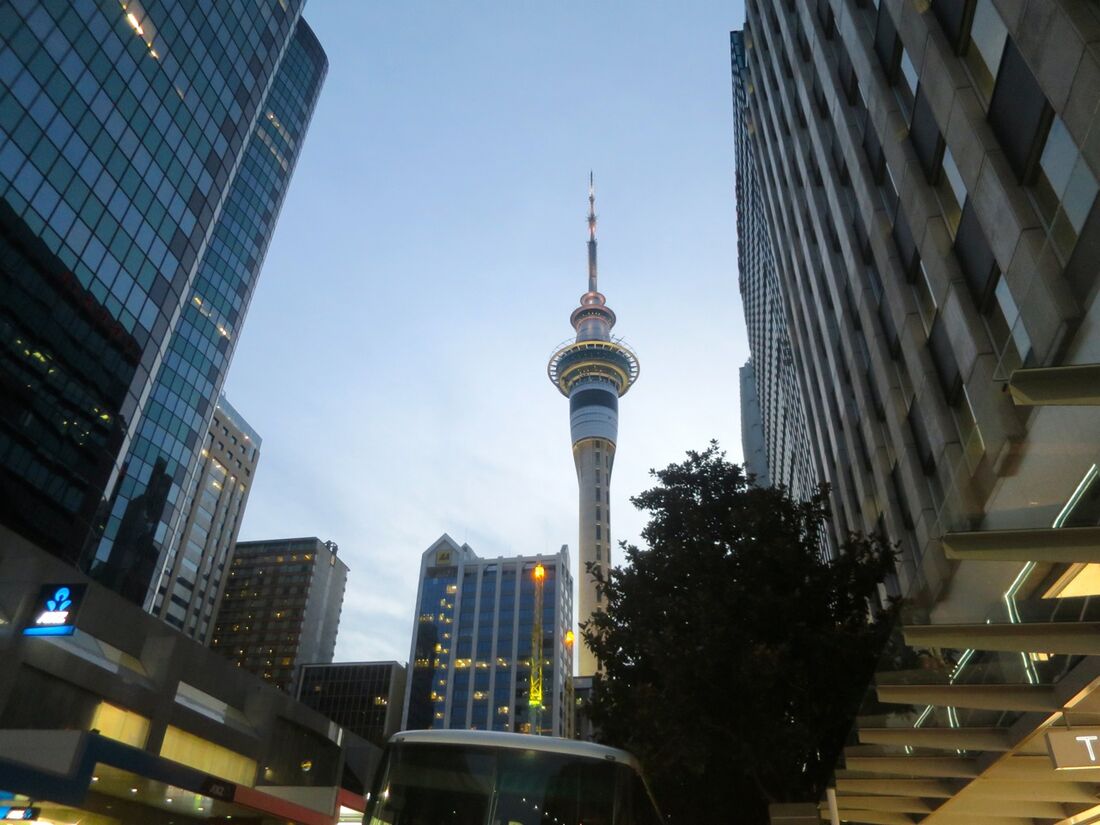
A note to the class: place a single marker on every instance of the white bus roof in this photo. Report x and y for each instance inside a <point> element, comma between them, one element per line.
<point>519,741</point>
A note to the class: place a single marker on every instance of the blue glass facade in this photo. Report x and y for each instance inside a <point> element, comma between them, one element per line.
<point>472,644</point>
<point>201,346</point>
<point>125,131</point>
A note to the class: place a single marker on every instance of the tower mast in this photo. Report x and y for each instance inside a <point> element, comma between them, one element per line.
<point>591,233</point>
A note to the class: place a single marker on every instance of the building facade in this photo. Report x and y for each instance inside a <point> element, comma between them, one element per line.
<point>790,459</point>
<point>191,588</point>
<point>363,697</point>
<point>474,660</point>
<point>143,161</point>
<point>593,370</point>
<point>752,429</point>
<point>281,607</point>
<point>930,173</point>
<point>123,719</point>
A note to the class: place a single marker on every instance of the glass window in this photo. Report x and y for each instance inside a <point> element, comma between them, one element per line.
<point>1064,189</point>
<point>952,191</point>
<point>1006,330</point>
<point>987,43</point>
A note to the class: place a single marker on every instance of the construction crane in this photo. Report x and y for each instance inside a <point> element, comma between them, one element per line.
<point>535,693</point>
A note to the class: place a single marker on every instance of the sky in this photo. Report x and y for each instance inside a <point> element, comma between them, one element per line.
<point>430,250</point>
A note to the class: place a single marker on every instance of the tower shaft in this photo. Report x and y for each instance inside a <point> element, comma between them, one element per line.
<point>594,459</point>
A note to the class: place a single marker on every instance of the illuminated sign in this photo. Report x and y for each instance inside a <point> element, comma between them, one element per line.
<point>55,610</point>
<point>1074,748</point>
<point>19,814</point>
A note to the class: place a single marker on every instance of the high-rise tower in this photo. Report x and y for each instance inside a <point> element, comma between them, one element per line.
<point>593,370</point>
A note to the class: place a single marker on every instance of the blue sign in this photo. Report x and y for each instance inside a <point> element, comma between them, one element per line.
<point>19,814</point>
<point>55,610</point>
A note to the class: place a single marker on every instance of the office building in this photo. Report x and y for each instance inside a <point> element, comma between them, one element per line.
<point>477,637</point>
<point>929,174</point>
<point>752,429</point>
<point>789,459</point>
<point>114,716</point>
<point>593,370</point>
<point>281,607</point>
<point>191,588</point>
<point>143,160</point>
<point>363,697</point>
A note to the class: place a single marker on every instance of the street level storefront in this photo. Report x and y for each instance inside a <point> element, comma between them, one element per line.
<point>108,716</point>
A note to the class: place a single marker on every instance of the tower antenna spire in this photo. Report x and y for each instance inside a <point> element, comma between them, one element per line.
<point>591,233</point>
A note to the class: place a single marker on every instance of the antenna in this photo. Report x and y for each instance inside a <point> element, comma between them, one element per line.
<point>591,233</point>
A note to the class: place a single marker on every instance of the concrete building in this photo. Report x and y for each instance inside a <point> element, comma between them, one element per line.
<point>363,697</point>
<point>752,429</point>
<point>475,661</point>
<point>115,717</point>
<point>593,370</point>
<point>281,607</point>
<point>930,177</point>
<point>193,578</point>
<point>143,161</point>
<point>789,457</point>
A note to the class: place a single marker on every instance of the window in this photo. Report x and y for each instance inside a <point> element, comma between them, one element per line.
<point>887,45</point>
<point>943,358</point>
<point>951,191</point>
<point>969,434</point>
<point>991,293</point>
<point>926,454</point>
<point>1006,329</point>
<point>1064,189</point>
<point>985,45</point>
<point>906,91</point>
<point>1019,113</point>
<point>907,246</point>
<point>925,135</point>
<point>953,16</point>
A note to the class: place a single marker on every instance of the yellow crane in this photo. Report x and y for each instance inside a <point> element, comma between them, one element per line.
<point>535,693</point>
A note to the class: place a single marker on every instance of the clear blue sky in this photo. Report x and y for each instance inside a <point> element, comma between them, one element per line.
<point>429,253</point>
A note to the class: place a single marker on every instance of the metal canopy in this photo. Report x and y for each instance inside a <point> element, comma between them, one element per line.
<point>1055,545</point>
<point>1075,385</point>
<point>1074,638</point>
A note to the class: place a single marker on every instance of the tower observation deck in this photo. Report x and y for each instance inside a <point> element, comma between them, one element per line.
<point>593,370</point>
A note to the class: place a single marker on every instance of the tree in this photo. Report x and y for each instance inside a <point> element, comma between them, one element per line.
<point>735,657</point>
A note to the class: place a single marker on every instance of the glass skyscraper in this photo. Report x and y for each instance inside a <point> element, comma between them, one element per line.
<point>144,153</point>
<point>779,394</point>
<point>471,658</point>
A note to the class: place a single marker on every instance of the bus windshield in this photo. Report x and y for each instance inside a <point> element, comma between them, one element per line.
<point>423,784</point>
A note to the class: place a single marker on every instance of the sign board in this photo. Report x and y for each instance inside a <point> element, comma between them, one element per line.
<point>442,557</point>
<point>55,610</point>
<point>218,789</point>
<point>1074,748</point>
<point>19,814</point>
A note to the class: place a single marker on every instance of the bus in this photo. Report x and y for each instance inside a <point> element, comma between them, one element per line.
<point>469,777</point>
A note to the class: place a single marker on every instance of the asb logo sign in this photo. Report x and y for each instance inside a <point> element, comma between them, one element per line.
<point>55,611</point>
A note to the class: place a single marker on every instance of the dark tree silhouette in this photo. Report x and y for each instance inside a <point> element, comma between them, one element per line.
<point>735,657</point>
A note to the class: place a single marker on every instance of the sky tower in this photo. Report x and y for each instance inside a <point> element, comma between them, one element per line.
<point>592,371</point>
